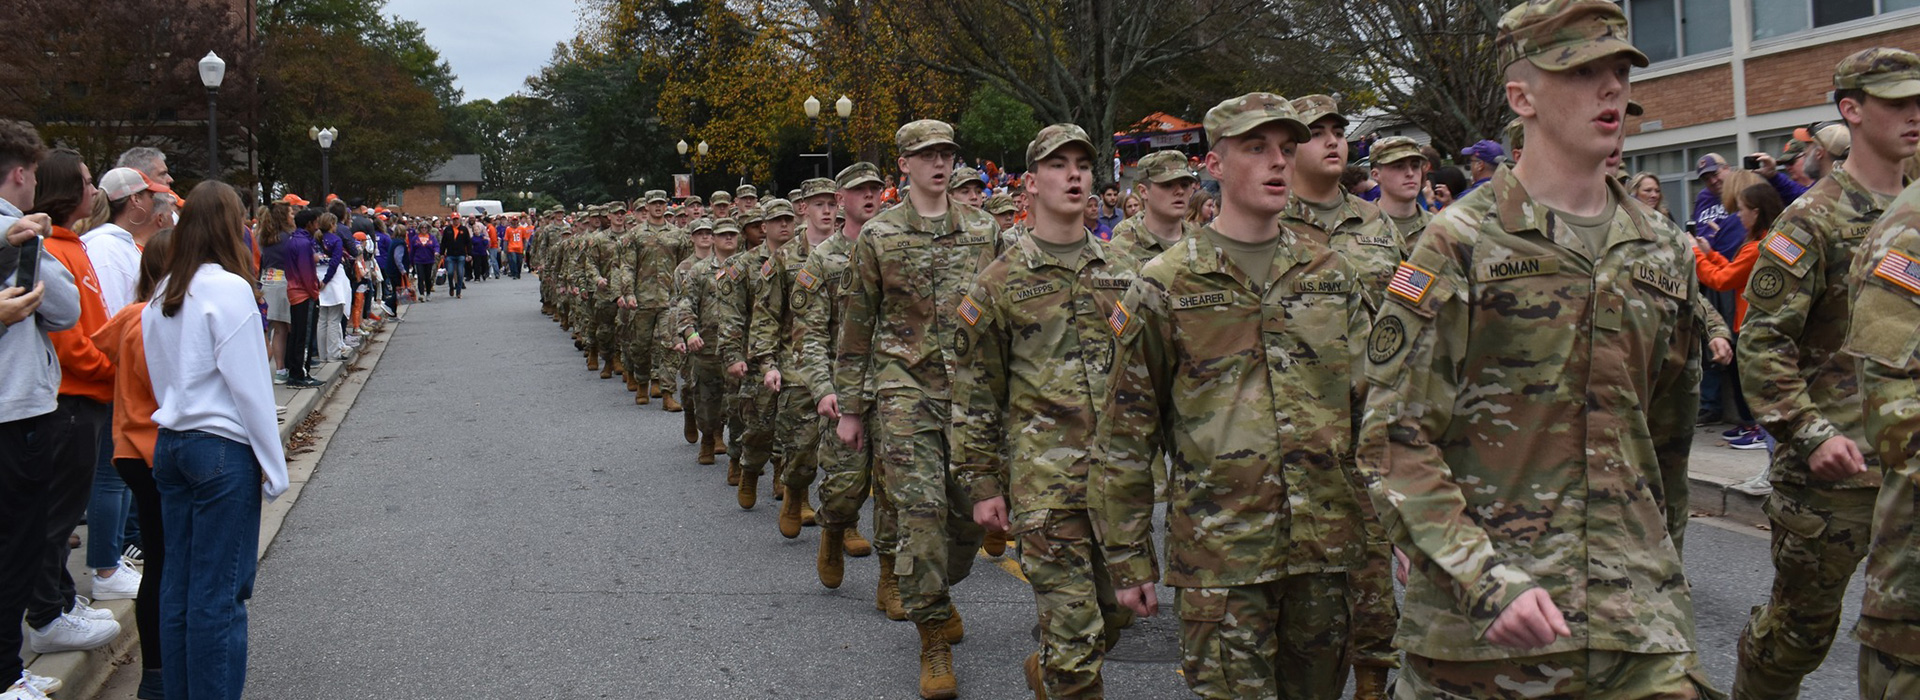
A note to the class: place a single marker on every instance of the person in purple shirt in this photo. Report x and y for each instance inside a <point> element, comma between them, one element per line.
<point>297,255</point>
<point>423,253</point>
<point>389,269</point>
<point>477,271</point>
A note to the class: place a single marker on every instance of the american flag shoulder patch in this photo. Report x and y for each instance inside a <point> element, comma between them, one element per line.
<point>721,273</point>
<point>1119,319</point>
<point>807,279</point>
<point>969,311</point>
<point>1899,269</point>
<point>1784,248</point>
<point>1410,283</point>
<point>766,268</point>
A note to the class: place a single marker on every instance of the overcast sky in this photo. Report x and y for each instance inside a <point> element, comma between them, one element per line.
<point>493,44</point>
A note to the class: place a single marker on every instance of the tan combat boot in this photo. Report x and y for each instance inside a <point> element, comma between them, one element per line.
<point>606,369</point>
<point>857,546</point>
<point>829,563</point>
<point>668,404</point>
<point>640,397</point>
<point>953,630</point>
<point>593,362</point>
<point>618,367</point>
<point>995,544</point>
<point>790,518</point>
<point>779,486</point>
<point>1369,683</point>
<point>887,598</point>
<point>1035,682</point>
<point>749,490</point>
<point>806,512</point>
<point>629,381</point>
<point>936,665</point>
<point>706,448</point>
<point>733,465</point>
<point>653,390</point>
<point>692,430</point>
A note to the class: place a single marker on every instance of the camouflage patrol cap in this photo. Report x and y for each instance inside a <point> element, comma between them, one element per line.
<point>963,177</point>
<point>1239,115</point>
<point>1516,135</point>
<point>1161,166</point>
<point>725,227</point>
<point>745,191</point>
<point>1393,149</point>
<point>858,174</point>
<point>1000,204</point>
<point>1313,108</point>
<point>815,187</point>
<point>700,224</point>
<point>722,197</point>
<point>1053,138</point>
<point>693,199</point>
<point>793,195</point>
<point>1886,73</point>
<point>658,196</point>
<point>776,208</point>
<point>1556,35</point>
<point>675,210</point>
<point>753,215</point>
<point>925,133</point>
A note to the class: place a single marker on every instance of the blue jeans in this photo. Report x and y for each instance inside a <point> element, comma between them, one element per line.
<point>107,510</point>
<point>210,506</point>
<point>456,273</point>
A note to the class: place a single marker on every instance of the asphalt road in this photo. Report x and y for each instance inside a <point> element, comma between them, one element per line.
<point>494,521</point>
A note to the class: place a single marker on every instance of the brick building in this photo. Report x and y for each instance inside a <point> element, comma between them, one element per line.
<point>454,181</point>
<point>1737,76</point>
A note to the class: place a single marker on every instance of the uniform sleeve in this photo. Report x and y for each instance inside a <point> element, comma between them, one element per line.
<point>1414,356</point>
<point>1133,433</point>
<point>853,354</point>
<point>763,327</point>
<point>980,394</point>
<point>1712,325</point>
<point>1769,350</point>
<point>1671,408</point>
<point>734,304</point>
<point>810,321</point>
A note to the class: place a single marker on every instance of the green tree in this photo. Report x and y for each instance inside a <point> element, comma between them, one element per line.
<point>996,125</point>
<point>391,127</point>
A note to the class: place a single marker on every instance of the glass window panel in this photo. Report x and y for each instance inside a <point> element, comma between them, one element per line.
<point>1898,5</point>
<point>1708,25</point>
<point>1655,29</point>
<point>1773,18</point>
<point>1827,12</point>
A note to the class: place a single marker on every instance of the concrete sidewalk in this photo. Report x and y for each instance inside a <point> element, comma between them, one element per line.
<point>84,673</point>
<point>1713,467</point>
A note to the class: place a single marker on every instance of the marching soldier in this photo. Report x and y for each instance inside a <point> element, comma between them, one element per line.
<point>751,272</point>
<point>1399,167</point>
<point>698,319</point>
<point>1164,185</point>
<point>656,247</point>
<point>774,351</point>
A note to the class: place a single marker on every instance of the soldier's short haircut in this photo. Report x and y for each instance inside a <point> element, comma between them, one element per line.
<point>1858,96</point>
<point>141,158</point>
<point>20,145</point>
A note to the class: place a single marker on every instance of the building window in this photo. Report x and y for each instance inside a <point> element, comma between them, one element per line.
<point>400,200</point>
<point>1774,18</point>
<point>1669,29</point>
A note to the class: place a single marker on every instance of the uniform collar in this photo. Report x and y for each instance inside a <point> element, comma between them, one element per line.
<point>1518,213</point>
<point>1204,258</point>
<point>1038,257</point>
<point>921,223</point>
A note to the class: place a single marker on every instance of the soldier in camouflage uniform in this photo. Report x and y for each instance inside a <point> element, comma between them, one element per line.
<point>698,319</point>
<point>754,270</point>
<point>1235,357</point>
<point>966,186</point>
<point>1350,225</point>
<point>910,268</point>
<point>1805,392</point>
<point>1399,167</point>
<point>1003,210</point>
<point>745,197</point>
<point>701,234</point>
<point>1885,286</point>
<point>847,471</point>
<point>1164,185</point>
<point>1534,374</point>
<point>599,257</point>
<point>589,283</point>
<point>722,205</point>
<point>773,348</point>
<point>1033,355</point>
<point>651,249</point>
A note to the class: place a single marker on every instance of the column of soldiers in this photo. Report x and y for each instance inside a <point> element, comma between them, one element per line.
<point>1500,396</point>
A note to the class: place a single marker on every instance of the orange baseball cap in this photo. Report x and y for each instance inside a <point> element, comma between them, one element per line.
<point>295,200</point>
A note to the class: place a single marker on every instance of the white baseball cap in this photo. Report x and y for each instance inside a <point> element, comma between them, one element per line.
<point>121,183</point>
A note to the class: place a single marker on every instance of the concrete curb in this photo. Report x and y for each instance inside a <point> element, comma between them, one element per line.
<point>84,673</point>
<point>1714,497</point>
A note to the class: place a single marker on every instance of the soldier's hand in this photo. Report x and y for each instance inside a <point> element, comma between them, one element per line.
<point>771,380</point>
<point>17,304</point>
<point>27,227</point>
<point>1837,458</point>
<point>602,282</point>
<point>1722,351</point>
<point>829,406</point>
<point>1401,566</point>
<point>737,370</point>
<point>696,343</point>
<point>851,432</point>
<point>1531,621</point>
<point>991,514</point>
<point>1141,599</point>
<point>680,347</point>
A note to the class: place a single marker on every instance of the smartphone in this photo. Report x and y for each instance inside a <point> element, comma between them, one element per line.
<point>28,271</point>
<point>1750,162</point>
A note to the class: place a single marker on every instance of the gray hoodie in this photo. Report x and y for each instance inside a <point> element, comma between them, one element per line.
<point>29,371</point>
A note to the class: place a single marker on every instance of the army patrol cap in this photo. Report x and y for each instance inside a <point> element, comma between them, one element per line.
<point>700,224</point>
<point>793,195</point>
<point>963,177</point>
<point>776,208</point>
<point>726,227</point>
<point>1161,167</point>
<point>722,197</point>
<point>1556,35</point>
<point>693,199</point>
<point>1000,204</point>
<point>915,136</point>
<point>859,174</point>
<point>745,191</point>
<point>1393,149</point>
<point>1313,108</point>
<point>658,196</point>
<point>1889,74</point>
<point>1053,138</point>
<point>815,187</point>
<point>753,215</point>
<point>1239,115</point>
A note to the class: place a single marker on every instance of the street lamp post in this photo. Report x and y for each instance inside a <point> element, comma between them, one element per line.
<point>701,150</point>
<point>681,147</point>
<point>325,137</point>
<point>213,71</point>
<point>842,107</point>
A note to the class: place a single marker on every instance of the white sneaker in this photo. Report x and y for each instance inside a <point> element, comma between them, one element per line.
<point>70,633</point>
<point>83,607</point>
<point>20,690</point>
<point>44,684</point>
<point>124,585</point>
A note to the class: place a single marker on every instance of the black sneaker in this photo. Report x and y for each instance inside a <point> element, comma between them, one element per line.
<point>307,383</point>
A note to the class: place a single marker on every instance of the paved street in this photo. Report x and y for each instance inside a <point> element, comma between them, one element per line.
<point>494,521</point>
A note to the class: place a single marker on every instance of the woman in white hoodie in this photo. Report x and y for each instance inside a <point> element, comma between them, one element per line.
<point>219,447</point>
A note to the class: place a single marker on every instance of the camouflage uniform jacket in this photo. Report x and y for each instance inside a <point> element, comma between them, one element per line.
<point>770,337</point>
<point>680,299</point>
<point>1421,217</point>
<point>656,250</point>
<point>1034,351</point>
<point>750,272</point>
<point>1802,388</point>
<point>819,296</point>
<point>1885,286</point>
<point>1358,231</point>
<point>621,278</point>
<point>699,307</point>
<point>906,278</point>
<point>1254,389</point>
<point>1529,425</point>
<point>1132,239</point>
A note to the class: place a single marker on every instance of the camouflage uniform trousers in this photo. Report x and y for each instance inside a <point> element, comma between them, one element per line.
<point>756,409</point>
<point>1593,674</point>
<point>1080,619</point>
<point>798,431</point>
<point>847,476</point>
<point>1376,615</point>
<point>710,396</point>
<point>938,539</point>
<point>606,331</point>
<point>669,367</point>
<point>1819,537</point>
<point>1283,638</point>
<point>1884,676</point>
<point>637,342</point>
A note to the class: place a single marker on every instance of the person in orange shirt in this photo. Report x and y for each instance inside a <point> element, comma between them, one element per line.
<point>1757,204</point>
<point>516,246</point>
<point>134,434</point>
